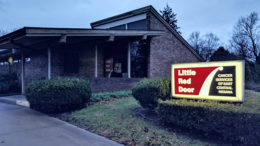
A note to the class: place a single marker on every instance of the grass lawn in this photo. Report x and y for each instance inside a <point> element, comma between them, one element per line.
<point>119,120</point>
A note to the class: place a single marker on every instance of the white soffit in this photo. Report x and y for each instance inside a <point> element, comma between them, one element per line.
<point>121,22</point>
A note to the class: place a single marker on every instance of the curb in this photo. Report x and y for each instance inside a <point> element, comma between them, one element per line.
<point>15,102</point>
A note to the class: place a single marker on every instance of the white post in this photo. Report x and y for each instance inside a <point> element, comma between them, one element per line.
<point>49,63</point>
<point>96,61</point>
<point>22,71</point>
<point>129,60</point>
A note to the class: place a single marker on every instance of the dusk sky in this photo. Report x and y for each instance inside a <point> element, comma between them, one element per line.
<point>216,16</point>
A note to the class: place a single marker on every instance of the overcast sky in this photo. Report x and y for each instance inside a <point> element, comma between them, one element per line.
<point>216,16</point>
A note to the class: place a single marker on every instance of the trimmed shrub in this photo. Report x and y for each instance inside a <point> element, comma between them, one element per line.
<point>8,83</point>
<point>252,71</point>
<point>148,91</point>
<point>56,96</point>
<point>103,96</point>
<point>232,122</point>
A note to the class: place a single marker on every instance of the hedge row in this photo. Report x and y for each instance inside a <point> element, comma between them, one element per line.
<point>55,96</point>
<point>233,122</point>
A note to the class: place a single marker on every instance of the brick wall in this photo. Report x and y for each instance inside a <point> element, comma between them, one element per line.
<point>111,84</point>
<point>5,68</point>
<point>15,68</point>
<point>35,69</point>
<point>87,61</point>
<point>101,62</point>
<point>165,50</point>
<point>57,62</point>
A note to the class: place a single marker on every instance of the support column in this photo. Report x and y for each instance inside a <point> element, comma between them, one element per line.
<point>49,63</point>
<point>22,71</point>
<point>96,61</point>
<point>129,60</point>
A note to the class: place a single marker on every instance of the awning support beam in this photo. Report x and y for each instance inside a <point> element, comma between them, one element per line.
<point>49,63</point>
<point>63,39</point>
<point>22,71</point>
<point>144,37</point>
<point>111,38</point>
<point>96,61</point>
<point>129,60</point>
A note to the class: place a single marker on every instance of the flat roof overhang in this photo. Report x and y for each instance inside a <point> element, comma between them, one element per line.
<point>39,38</point>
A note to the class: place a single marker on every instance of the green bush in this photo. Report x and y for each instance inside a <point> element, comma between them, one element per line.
<point>56,96</point>
<point>252,71</point>
<point>96,97</point>
<point>233,122</point>
<point>8,83</point>
<point>148,91</point>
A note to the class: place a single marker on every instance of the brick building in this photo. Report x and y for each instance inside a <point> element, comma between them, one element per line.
<point>113,54</point>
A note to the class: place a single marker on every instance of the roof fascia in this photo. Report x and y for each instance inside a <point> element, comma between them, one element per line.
<point>41,32</point>
<point>121,16</point>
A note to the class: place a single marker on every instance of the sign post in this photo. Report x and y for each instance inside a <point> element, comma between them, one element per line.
<point>223,80</point>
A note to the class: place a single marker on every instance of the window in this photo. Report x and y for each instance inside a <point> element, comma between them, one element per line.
<point>120,27</point>
<point>138,25</point>
<point>139,53</point>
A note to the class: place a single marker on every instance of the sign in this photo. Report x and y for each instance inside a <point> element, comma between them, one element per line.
<point>109,67</point>
<point>118,68</point>
<point>222,81</point>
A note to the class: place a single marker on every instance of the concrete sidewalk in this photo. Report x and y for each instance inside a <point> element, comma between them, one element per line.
<point>25,127</point>
<point>15,100</point>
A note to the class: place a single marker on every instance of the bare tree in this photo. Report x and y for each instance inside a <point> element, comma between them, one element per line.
<point>240,45</point>
<point>246,35</point>
<point>205,46</point>
<point>195,41</point>
<point>210,45</point>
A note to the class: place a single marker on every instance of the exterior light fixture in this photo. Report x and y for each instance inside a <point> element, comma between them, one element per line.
<point>10,60</point>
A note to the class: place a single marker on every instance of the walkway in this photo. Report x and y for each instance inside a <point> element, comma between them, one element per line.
<point>25,127</point>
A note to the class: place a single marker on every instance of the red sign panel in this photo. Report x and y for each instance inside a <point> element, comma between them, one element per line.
<point>190,80</point>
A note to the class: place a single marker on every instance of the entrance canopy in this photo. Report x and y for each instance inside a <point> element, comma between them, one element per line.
<point>42,38</point>
<point>31,39</point>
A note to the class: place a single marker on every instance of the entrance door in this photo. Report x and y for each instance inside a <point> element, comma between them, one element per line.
<point>115,59</point>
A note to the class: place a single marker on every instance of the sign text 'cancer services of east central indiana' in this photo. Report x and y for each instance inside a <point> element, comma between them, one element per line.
<point>211,80</point>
